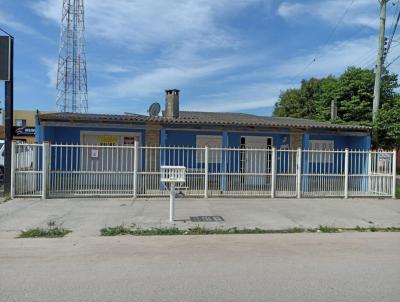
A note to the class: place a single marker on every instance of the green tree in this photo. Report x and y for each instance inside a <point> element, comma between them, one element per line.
<point>353,93</point>
<point>388,124</point>
<point>309,101</point>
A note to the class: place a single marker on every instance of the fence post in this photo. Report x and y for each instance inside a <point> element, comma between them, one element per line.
<point>346,173</point>
<point>369,171</point>
<point>135,167</point>
<point>206,172</point>
<point>13,168</point>
<point>394,174</point>
<point>45,168</point>
<point>273,171</point>
<point>298,173</point>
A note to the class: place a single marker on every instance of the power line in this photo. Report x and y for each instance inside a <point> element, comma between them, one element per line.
<point>394,60</point>
<point>329,38</point>
<point>6,32</point>
<point>393,30</point>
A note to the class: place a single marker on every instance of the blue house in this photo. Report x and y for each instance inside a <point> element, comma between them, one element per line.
<point>189,128</point>
<point>227,170</point>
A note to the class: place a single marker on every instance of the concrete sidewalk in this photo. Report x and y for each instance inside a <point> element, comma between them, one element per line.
<point>85,217</point>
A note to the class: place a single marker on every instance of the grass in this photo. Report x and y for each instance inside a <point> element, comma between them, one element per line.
<point>134,230</point>
<point>52,231</point>
<point>328,229</point>
<point>137,231</point>
<point>55,232</point>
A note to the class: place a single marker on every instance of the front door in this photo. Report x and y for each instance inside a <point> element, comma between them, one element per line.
<point>256,162</point>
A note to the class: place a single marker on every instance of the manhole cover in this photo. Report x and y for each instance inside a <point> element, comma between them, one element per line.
<point>206,218</point>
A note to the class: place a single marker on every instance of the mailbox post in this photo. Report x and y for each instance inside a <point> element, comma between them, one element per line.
<point>172,175</point>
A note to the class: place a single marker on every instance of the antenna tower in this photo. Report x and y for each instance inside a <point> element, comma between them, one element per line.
<point>72,93</point>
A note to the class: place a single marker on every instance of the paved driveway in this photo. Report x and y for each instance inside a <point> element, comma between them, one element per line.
<point>85,217</point>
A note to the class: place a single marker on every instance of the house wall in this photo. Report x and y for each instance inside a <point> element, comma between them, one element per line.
<point>72,135</point>
<point>231,138</point>
<point>341,141</point>
<point>155,135</point>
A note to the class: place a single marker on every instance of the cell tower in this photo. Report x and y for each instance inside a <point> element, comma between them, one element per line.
<point>72,93</point>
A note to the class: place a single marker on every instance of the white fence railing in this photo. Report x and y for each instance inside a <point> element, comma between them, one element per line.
<point>46,170</point>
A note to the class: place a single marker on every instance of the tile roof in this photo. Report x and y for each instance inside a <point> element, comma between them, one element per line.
<point>201,118</point>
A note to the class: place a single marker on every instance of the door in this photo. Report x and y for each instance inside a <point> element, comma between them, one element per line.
<point>110,158</point>
<point>257,162</point>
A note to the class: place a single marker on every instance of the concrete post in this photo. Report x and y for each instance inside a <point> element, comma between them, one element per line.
<point>206,172</point>
<point>394,174</point>
<point>135,167</point>
<point>13,168</point>
<point>45,168</point>
<point>346,173</point>
<point>298,173</point>
<point>273,171</point>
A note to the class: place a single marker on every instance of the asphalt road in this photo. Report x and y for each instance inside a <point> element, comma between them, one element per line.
<point>274,267</point>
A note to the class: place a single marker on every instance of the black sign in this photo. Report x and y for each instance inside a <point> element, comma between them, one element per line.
<point>24,131</point>
<point>4,58</point>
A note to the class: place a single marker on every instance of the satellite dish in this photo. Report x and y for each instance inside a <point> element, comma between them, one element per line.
<point>154,109</point>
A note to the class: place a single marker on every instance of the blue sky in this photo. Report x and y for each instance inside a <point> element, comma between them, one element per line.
<point>225,55</point>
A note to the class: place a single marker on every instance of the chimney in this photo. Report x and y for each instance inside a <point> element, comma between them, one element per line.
<point>333,110</point>
<point>172,103</point>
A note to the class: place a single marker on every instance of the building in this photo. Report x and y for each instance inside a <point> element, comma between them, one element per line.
<point>24,122</point>
<point>189,128</point>
<point>239,159</point>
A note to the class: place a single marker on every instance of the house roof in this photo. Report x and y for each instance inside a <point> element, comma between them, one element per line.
<point>201,118</point>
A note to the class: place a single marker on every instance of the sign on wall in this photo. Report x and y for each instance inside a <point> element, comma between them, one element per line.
<point>5,55</point>
<point>107,140</point>
<point>24,131</point>
<point>129,140</point>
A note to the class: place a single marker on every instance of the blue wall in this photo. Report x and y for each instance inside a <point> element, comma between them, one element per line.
<point>72,135</point>
<point>341,141</point>
<point>231,139</point>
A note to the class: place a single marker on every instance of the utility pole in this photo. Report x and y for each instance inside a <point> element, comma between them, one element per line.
<point>379,60</point>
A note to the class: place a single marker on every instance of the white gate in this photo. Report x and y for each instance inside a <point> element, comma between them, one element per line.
<point>27,167</point>
<point>117,171</point>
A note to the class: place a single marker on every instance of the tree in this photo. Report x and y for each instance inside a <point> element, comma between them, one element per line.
<point>353,93</point>
<point>309,101</point>
<point>387,124</point>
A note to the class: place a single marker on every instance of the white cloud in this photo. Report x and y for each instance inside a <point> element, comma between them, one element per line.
<point>10,22</point>
<point>330,59</point>
<point>361,12</point>
<point>51,66</point>
<point>143,24</point>
<point>169,76</point>
<point>257,95</point>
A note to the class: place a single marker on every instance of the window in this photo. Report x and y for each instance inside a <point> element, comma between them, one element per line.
<point>211,141</point>
<point>321,145</point>
<point>20,123</point>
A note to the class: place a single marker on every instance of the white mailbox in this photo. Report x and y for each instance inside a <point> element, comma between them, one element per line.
<point>172,175</point>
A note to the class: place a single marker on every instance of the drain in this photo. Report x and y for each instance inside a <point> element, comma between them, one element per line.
<point>206,219</point>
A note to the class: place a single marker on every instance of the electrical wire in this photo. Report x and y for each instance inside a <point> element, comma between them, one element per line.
<point>5,32</point>
<point>328,39</point>
<point>393,30</point>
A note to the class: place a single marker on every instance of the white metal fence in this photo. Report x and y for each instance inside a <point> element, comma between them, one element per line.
<point>98,170</point>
